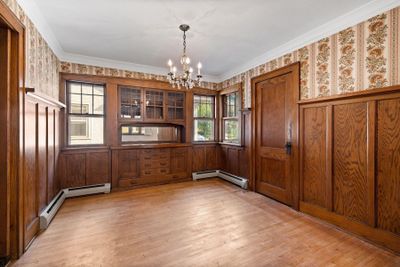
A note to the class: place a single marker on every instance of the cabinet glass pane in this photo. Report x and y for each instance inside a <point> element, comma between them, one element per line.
<point>130,103</point>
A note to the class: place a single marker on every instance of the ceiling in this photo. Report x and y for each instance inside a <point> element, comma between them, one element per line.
<point>225,35</point>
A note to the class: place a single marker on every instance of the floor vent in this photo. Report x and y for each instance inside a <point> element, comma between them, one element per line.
<point>50,211</point>
<point>240,181</point>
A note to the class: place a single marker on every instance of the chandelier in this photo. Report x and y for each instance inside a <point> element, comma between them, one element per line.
<point>185,79</point>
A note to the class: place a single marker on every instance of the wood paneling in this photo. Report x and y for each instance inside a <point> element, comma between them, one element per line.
<point>42,156</point>
<point>314,156</point>
<point>31,186</point>
<point>98,168</point>
<point>51,154</point>
<point>350,161</point>
<point>74,169</point>
<point>388,167</point>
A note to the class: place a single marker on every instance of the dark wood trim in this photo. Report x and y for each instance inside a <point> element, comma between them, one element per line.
<point>363,93</point>
<point>15,126</point>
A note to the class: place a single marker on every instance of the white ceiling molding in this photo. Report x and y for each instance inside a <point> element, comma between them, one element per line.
<point>347,20</point>
<point>350,19</point>
<point>35,15</point>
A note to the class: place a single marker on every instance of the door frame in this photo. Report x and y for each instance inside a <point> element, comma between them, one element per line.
<point>14,198</point>
<point>295,180</point>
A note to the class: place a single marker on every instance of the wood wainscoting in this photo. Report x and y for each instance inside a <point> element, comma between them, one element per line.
<point>350,162</point>
<point>41,151</point>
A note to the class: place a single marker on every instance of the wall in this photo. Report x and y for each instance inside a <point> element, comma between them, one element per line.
<point>358,58</point>
<point>73,68</point>
<point>42,65</point>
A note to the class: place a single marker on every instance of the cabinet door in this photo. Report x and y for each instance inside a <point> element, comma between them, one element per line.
<point>127,164</point>
<point>175,104</point>
<point>97,168</point>
<point>179,160</point>
<point>154,105</point>
<point>74,170</point>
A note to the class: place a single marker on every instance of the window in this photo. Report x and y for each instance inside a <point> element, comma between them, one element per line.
<point>85,113</point>
<point>204,118</point>
<point>150,133</point>
<point>230,118</point>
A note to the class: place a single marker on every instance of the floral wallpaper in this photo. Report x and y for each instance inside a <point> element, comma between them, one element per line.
<point>68,67</point>
<point>364,56</point>
<point>361,57</point>
<point>42,65</point>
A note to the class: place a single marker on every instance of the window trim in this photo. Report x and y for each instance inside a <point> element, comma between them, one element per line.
<point>213,119</point>
<point>234,89</point>
<point>68,113</point>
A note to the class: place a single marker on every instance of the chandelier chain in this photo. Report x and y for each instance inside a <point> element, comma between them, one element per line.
<point>184,43</point>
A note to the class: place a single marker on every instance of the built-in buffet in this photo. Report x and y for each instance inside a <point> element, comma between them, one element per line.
<point>148,132</point>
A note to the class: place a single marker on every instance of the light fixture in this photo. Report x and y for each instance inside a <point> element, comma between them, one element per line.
<point>185,78</point>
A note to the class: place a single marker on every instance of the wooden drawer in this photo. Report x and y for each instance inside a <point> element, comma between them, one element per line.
<point>155,153</point>
<point>127,182</point>
<point>154,164</point>
<point>154,172</point>
<point>178,176</point>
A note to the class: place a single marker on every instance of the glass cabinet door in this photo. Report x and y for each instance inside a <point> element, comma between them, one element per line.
<point>131,103</point>
<point>154,105</point>
<point>176,105</point>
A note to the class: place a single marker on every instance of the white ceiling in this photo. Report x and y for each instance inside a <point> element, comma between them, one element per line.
<point>227,36</point>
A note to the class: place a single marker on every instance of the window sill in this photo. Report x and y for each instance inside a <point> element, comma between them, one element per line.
<point>231,144</point>
<point>84,147</point>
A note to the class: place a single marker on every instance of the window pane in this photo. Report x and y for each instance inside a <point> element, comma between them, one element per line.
<point>98,104</point>
<point>231,130</point>
<point>149,133</point>
<point>87,88</point>
<point>98,90</point>
<point>203,106</point>
<point>85,130</point>
<point>75,103</point>
<point>74,88</point>
<point>203,130</point>
<point>87,104</point>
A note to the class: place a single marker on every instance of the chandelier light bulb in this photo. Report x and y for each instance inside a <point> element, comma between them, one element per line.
<point>190,70</point>
<point>199,66</point>
<point>187,60</point>
<point>174,69</point>
<point>170,62</point>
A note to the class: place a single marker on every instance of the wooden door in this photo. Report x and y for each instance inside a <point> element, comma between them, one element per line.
<point>276,120</point>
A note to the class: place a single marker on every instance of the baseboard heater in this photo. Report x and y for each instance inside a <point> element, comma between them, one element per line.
<point>50,211</point>
<point>240,181</point>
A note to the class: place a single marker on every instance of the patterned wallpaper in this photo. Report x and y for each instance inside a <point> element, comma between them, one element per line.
<point>68,67</point>
<point>358,58</point>
<point>42,65</point>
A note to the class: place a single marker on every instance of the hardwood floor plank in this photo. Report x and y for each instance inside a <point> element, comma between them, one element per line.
<point>204,223</point>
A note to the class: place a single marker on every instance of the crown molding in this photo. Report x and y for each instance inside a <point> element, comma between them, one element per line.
<point>334,26</point>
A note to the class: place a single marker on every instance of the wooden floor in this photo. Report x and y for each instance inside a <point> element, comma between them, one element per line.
<point>205,223</point>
